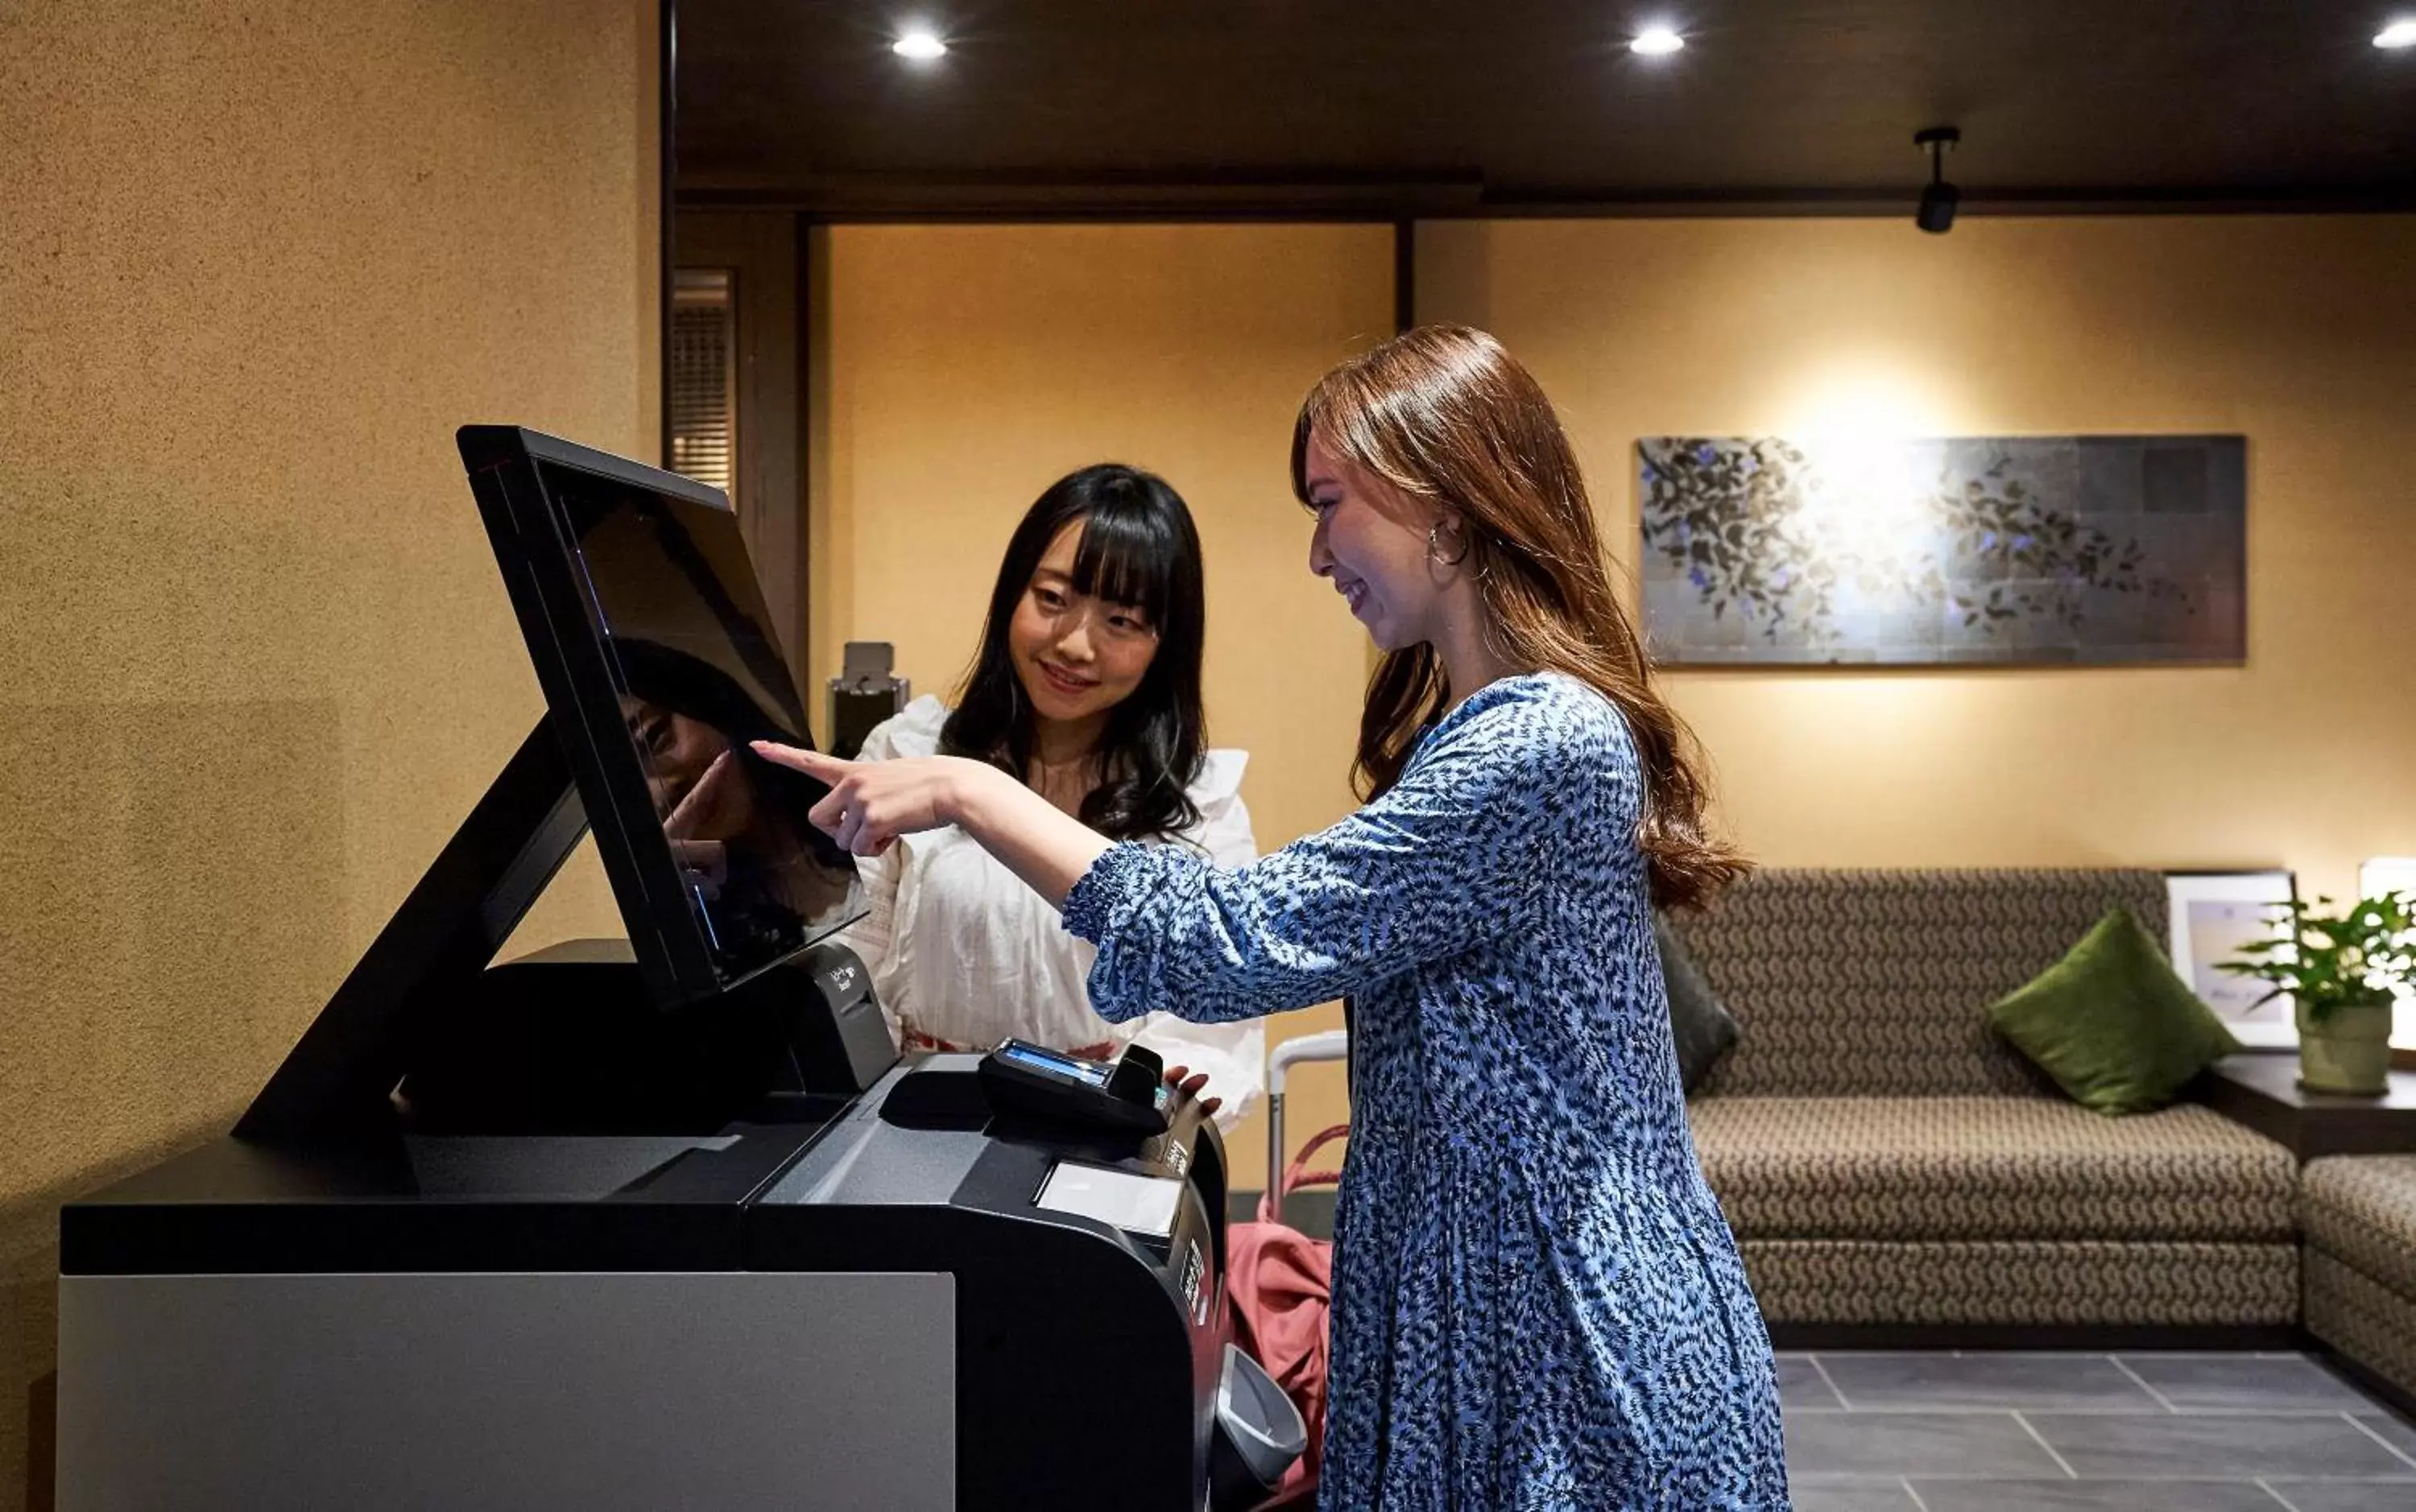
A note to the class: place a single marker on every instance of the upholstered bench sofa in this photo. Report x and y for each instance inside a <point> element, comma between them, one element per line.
<point>1888,1163</point>
<point>2359,1215</point>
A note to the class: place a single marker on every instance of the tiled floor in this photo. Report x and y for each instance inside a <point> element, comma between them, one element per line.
<point>2020,1432</point>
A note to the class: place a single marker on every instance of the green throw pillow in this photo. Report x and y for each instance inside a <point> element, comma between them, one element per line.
<point>2112,1023</point>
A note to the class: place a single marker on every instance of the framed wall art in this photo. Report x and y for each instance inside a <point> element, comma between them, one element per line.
<point>2022,550</point>
<point>2211,915</point>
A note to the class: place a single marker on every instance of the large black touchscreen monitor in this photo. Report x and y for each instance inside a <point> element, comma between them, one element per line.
<point>659,664</point>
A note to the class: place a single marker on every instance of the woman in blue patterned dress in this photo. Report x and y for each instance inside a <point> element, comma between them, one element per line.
<point>1537,1302</point>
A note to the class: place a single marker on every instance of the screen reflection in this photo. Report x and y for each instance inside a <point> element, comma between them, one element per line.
<point>700,676</point>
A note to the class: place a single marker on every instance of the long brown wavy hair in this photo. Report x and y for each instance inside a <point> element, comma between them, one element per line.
<point>1443,414</point>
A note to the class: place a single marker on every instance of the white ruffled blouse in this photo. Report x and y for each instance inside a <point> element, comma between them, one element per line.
<point>964,955</point>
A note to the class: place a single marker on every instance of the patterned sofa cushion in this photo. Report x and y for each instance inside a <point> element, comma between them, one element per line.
<point>2026,1282</point>
<point>2363,1318</point>
<point>1987,1168</point>
<point>1879,983</point>
<point>2362,1208</point>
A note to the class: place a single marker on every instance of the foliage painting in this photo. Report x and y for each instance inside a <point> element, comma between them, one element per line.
<point>2013,549</point>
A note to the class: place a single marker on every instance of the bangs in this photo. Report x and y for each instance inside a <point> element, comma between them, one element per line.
<point>1361,426</point>
<point>1128,556</point>
<point>1312,415</point>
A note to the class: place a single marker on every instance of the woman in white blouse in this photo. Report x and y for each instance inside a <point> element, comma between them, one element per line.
<point>1086,688</point>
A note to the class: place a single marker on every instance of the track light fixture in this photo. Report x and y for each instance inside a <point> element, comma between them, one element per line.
<point>1937,201</point>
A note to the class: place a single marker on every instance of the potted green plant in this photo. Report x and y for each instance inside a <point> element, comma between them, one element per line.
<point>2342,970</point>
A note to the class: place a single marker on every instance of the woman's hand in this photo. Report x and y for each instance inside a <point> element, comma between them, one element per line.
<point>870,803</point>
<point>1184,1080</point>
<point>714,808</point>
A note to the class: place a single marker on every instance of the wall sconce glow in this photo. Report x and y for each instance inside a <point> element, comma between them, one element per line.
<point>1657,42</point>
<point>1860,398</point>
<point>2400,34</point>
<point>920,44</point>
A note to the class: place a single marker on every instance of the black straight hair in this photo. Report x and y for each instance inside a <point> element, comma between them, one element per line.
<point>1138,549</point>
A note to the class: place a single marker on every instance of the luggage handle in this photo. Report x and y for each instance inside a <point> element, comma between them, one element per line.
<point>1333,1044</point>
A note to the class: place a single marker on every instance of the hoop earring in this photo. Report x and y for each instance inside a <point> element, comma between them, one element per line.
<point>1434,545</point>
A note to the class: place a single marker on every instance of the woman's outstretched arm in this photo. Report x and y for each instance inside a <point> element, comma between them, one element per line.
<point>872,803</point>
<point>1457,852</point>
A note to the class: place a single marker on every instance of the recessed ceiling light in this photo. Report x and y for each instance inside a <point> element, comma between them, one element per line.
<point>921,44</point>
<point>1657,42</point>
<point>2398,34</point>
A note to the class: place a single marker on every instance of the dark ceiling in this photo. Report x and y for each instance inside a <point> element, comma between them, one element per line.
<point>1401,107</point>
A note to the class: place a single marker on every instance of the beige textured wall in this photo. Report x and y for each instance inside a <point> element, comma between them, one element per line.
<point>959,370</point>
<point>255,264</point>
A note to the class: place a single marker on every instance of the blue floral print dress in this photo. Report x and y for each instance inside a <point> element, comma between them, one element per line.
<point>1538,1303</point>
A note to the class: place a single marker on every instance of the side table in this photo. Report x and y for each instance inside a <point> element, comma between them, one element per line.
<point>2262,1091</point>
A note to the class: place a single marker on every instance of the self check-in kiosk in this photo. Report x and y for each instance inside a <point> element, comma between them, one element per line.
<point>663,1221</point>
